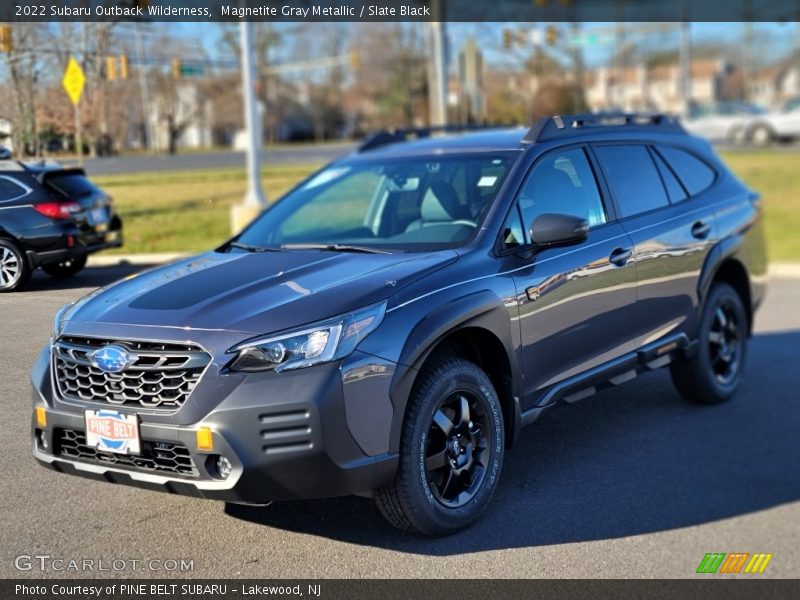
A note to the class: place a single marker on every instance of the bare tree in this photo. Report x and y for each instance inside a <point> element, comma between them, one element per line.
<point>174,108</point>
<point>24,65</point>
<point>391,85</point>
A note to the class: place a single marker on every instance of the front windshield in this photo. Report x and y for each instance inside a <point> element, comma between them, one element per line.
<point>408,204</point>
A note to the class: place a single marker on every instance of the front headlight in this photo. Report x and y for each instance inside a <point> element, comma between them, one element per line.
<point>322,342</point>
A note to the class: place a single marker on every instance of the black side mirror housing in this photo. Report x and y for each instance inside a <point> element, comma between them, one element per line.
<point>551,229</point>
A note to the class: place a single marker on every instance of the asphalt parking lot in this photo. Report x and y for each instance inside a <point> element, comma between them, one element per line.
<point>633,482</point>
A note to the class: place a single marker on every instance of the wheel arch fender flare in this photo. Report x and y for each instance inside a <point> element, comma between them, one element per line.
<point>722,253</point>
<point>760,123</point>
<point>7,235</point>
<point>482,310</point>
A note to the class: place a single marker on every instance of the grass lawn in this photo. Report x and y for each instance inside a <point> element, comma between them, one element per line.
<point>777,176</point>
<point>189,211</point>
<point>186,211</point>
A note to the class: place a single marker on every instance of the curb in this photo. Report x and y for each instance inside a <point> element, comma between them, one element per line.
<point>784,269</point>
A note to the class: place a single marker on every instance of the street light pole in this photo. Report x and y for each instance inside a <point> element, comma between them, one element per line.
<point>144,92</point>
<point>254,199</point>
<point>685,67</point>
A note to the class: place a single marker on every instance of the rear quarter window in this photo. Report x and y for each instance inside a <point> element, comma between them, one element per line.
<point>695,174</point>
<point>674,188</point>
<point>10,189</point>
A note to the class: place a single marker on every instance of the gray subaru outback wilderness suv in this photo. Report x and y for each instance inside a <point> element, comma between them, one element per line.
<point>390,325</point>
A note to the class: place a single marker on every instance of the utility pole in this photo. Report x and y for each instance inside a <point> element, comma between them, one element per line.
<point>686,67</point>
<point>438,67</point>
<point>578,64</point>
<point>749,67</point>
<point>797,31</point>
<point>254,200</point>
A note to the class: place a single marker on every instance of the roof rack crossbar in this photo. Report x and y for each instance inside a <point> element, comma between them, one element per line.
<point>550,128</point>
<point>385,137</point>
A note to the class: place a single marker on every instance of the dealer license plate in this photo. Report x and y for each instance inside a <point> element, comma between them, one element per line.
<point>112,431</point>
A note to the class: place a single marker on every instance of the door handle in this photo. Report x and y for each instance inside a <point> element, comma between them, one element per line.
<point>620,256</point>
<point>700,230</point>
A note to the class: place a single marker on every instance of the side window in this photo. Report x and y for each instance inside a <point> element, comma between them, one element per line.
<point>562,182</point>
<point>675,190</point>
<point>633,178</point>
<point>693,172</point>
<point>9,189</point>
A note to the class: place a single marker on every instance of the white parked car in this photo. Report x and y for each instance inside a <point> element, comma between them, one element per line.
<point>724,121</point>
<point>782,124</point>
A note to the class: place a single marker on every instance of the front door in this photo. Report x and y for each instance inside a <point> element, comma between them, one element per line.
<point>575,301</point>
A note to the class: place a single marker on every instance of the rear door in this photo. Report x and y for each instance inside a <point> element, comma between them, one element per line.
<point>672,230</point>
<point>575,302</point>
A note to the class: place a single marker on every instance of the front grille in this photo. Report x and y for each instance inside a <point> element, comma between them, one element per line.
<point>160,376</point>
<point>158,457</point>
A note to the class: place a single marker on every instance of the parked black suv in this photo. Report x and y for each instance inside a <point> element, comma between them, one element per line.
<point>50,217</point>
<point>391,323</point>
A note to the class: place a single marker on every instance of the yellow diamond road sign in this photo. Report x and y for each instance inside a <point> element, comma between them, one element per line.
<point>73,80</point>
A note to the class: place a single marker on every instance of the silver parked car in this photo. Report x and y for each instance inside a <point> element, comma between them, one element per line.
<point>782,124</point>
<point>724,121</point>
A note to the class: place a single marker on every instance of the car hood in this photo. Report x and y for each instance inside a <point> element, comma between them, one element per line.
<point>254,292</point>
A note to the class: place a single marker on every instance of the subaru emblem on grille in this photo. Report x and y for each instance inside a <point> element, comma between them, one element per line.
<point>111,359</point>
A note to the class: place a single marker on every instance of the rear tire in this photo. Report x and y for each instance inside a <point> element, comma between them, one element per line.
<point>66,268</point>
<point>762,136</point>
<point>714,373</point>
<point>451,451</point>
<point>15,272</point>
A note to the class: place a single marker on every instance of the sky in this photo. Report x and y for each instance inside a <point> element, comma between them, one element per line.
<point>772,40</point>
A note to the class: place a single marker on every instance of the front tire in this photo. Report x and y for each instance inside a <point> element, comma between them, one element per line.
<point>15,272</point>
<point>66,268</point>
<point>451,451</point>
<point>714,373</point>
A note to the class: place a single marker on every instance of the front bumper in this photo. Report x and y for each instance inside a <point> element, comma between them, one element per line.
<point>301,434</point>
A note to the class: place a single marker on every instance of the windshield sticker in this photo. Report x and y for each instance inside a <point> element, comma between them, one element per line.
<point>487,181</point>
<point>326,176</point>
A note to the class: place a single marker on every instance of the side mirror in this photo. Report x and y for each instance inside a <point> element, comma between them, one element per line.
<point>550,229</point>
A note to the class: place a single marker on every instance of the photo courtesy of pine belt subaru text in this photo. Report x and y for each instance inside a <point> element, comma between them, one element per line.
<point>53,218</point>
<point>389,325</point>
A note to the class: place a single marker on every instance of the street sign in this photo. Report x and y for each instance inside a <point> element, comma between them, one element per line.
<point>192,69</point>
<point>73,81</point>
<point>590,39</point>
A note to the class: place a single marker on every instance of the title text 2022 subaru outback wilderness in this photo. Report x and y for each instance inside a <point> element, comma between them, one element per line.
<point>391,323</point>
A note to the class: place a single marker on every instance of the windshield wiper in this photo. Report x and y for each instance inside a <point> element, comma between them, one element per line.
<point>250,248</point>
<point>334,248</point>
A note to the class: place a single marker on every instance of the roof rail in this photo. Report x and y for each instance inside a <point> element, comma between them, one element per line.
<point>551,128</point>
<point>385,137</point>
